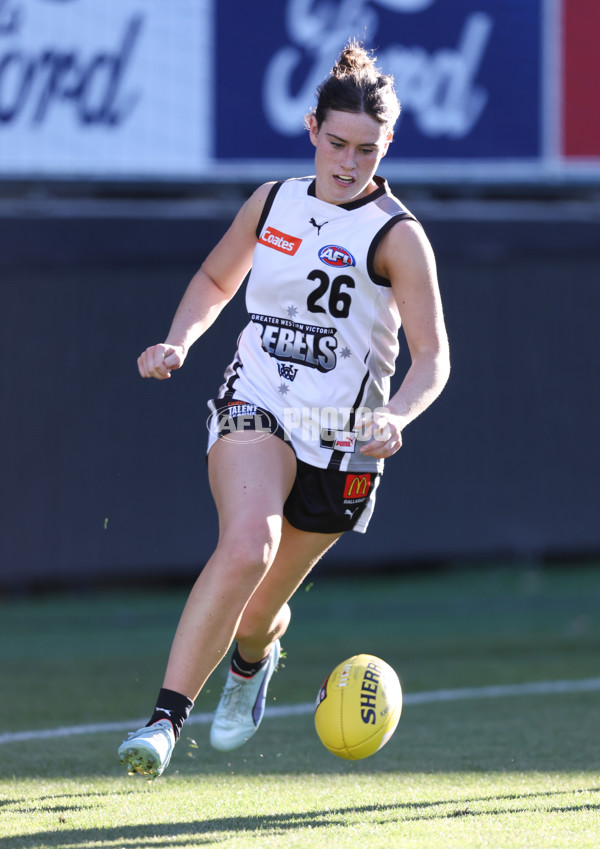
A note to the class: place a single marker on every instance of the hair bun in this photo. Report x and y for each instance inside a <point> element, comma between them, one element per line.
<point>355,84</point>
<point>354,59</point>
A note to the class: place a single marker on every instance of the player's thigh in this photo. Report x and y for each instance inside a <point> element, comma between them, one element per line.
<point>249,479</point>
<point>298,552</point>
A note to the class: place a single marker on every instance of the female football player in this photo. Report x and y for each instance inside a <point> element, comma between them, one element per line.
<point>303,422</point>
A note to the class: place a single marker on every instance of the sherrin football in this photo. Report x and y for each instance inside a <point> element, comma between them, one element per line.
<point>358,707</point>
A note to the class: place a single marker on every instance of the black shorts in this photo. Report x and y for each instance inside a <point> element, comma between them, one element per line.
<point>325,501</point>
<point>329,501</point>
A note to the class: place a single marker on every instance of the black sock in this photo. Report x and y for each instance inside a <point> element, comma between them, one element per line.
<point>173,706</point>
<point>244,667</point>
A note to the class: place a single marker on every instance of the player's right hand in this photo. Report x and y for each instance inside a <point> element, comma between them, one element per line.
<point>160,360</point>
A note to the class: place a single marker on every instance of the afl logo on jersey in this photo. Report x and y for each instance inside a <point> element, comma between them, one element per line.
<point>336,256</point>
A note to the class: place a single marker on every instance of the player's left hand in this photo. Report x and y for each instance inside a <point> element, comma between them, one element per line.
<point>381,433</point>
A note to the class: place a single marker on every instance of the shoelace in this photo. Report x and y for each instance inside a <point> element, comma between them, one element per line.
<point>141,731</point>
<point>234,696</point>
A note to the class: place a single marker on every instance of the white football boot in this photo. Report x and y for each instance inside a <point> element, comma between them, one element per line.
<point>148,750</point>
<point>242,705</point>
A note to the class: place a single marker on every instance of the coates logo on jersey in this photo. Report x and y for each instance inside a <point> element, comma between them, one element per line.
<point>273,238</point>
<point>336,256</point>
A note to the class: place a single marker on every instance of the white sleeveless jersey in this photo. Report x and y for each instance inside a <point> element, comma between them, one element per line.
<point>323,332</point>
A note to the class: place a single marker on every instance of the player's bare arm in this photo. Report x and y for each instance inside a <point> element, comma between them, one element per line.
<point>406,258</point>
<point>209,291</point>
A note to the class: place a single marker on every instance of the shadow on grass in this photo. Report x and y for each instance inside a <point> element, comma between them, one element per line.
<point>210,831</point>
<point>28,802</point>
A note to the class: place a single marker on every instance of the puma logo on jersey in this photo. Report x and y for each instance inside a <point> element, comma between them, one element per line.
<point>318,226</point>
<point>273,238</point>
<point>338,440</point>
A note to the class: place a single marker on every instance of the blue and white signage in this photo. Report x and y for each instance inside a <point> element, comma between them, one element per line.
<point>103,87</point>
<point>467,74</point>
<point>219,89</point>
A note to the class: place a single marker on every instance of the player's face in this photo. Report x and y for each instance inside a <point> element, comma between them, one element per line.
<point>349,147</point>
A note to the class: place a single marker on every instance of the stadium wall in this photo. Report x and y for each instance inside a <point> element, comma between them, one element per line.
<point>104,475</point>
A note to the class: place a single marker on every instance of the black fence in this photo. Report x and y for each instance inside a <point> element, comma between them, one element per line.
<point>104,474</point>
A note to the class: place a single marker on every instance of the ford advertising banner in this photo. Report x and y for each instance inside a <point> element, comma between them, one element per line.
<point>467,73</point>
<point>196,90</point>
<point>103,87</point>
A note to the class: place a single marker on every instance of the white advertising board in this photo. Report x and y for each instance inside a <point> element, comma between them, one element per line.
<point>104,87</point>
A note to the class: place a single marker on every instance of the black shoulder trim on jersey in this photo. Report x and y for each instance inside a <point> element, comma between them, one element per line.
<point>267,207</point>
<point>378,278</point>
<point>370,198</point>
<point>380,193</point>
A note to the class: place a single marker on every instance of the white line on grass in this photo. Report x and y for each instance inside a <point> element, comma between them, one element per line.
<point>537,688</point>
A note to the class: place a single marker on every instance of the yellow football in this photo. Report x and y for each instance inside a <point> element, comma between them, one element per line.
<point>358,707</point>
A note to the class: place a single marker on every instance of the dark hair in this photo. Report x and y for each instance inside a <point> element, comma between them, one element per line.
<point>355,84</point>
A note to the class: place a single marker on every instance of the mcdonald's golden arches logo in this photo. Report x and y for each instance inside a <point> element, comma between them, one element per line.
<point>357,486</point>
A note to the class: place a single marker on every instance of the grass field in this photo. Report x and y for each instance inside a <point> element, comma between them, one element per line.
<point>505,771</point>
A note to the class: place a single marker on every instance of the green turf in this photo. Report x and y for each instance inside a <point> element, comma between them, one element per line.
<point>521,771</point>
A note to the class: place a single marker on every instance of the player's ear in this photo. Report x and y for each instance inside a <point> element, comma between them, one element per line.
<point>313,129</point>
<point>388,140</point>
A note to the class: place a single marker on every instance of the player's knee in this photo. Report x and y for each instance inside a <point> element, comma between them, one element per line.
<point>250,549</point>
